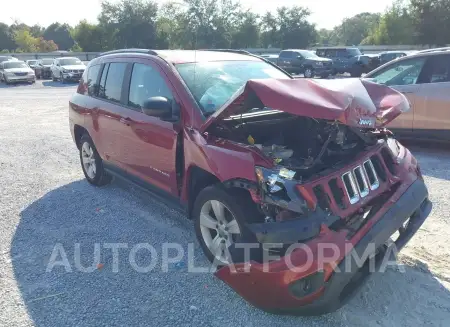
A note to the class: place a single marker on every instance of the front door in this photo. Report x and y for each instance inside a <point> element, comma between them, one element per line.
<point>432,120</point>
<point>149,144</point>
<point>403,76</point>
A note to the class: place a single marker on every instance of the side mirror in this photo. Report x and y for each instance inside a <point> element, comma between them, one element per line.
<point>160,107</point>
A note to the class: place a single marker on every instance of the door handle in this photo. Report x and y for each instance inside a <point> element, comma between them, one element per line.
<point>406,92</point>
<point>126,121</point>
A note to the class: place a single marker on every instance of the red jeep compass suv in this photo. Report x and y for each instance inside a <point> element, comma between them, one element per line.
<point>254,156</point>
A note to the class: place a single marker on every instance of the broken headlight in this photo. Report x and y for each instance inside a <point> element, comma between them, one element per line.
<point>273,179</point>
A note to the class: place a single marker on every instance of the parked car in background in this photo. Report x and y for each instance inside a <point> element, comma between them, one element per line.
<point>13,71</point>
<point>7,58</point>
<point>32,63</point>
<point>391,55</point>
<point>304,62</point>
<point>252,155</point>
<point>424,77</point>
<point>366,63</point>
<point>345,60</point>
<point>67,69</point>
<point>271,57</point>
<point>43,68</point>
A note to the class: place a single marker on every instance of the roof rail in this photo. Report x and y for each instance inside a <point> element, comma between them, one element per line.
<point>131,50</point>
<point>229,50</point>
<point>435,50</point>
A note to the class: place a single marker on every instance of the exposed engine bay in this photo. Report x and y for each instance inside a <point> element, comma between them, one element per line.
<point>303,145</point>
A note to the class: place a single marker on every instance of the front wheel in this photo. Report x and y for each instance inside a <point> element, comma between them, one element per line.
<point>219,218</point>
<point>92,163</point>
<point>309,73</point>
<point>53,77</point>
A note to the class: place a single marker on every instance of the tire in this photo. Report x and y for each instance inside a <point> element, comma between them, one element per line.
<point>235,213</point>
<point>356,72</point>
<point>308,73</point>
<point>53,77</point>
<point>98,176</point>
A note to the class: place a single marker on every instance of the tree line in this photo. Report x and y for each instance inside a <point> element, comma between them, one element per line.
<point>198,24</point>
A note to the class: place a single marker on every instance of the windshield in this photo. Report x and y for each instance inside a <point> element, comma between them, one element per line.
<point>214,83</point>
<point>14,64</point>
<point>32,62</point>
<point>308,54</point>
<point>71,61</point>
<point>354,52</point>
<point>47,61</point>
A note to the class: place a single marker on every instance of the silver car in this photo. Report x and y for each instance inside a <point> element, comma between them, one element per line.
<point>16,71</point>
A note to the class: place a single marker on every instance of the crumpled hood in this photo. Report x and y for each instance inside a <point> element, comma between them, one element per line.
<point>354,102</point>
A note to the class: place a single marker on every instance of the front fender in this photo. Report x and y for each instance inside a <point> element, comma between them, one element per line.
<point>223,158</point>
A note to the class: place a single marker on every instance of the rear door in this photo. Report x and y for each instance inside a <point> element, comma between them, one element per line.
<point>285,60</point>
<point>108,111</point>
<point>403,76</point>
<point>432,120</point>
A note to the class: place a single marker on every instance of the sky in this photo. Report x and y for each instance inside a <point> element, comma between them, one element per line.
<point>325,13</point>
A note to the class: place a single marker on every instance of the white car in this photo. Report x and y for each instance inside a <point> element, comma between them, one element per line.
<point>67,69</point>
<point>16,71</point>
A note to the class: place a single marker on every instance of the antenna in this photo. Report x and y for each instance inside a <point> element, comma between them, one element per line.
<point>195,59</point>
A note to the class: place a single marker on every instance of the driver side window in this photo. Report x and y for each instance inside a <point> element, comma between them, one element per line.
<point>146,82</point>
<point>405,72</point>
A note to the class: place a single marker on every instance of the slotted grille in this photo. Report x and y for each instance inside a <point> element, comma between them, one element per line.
<point>359,181</point>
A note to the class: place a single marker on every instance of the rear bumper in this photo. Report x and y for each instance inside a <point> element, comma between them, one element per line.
<point>328,283</point>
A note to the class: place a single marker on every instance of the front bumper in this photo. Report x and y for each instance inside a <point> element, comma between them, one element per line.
<point>272,286</point>
<point>25,78</point>
<point>323,70</point>
<point>72,76</point>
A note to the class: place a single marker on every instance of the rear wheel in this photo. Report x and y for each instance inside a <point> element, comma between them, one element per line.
<point>92,163</point>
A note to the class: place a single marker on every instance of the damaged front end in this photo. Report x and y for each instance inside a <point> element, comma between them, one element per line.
<point>335,173</point>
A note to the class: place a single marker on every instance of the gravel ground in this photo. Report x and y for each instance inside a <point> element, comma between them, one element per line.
<point>45,201</point>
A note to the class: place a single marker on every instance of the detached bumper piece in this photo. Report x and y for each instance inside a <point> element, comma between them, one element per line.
<point>310,290</point>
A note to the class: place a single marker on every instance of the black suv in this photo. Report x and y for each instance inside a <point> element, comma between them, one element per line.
<point>349,60</point>
<point>304,62</point>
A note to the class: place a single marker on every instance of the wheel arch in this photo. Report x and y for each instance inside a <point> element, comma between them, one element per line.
<point>197,180</point>
<point>78,132</point>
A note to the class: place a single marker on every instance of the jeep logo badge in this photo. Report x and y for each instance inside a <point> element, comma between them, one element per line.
<point>365,122</point>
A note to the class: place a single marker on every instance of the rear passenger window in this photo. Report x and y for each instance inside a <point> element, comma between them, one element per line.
<point>112,89</point>
<point>146,82</point>
<point>436,70</point>
<point>92,78</point>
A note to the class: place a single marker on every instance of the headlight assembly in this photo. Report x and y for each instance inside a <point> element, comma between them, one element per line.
<point>273,179</point>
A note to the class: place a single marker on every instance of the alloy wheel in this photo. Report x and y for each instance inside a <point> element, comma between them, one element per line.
<point>88,160</point>
<point>219,229</point>
<point>308,73</point>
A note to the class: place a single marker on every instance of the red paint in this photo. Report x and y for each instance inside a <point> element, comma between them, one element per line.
<point>146,147</point>
<point>346,100</point>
